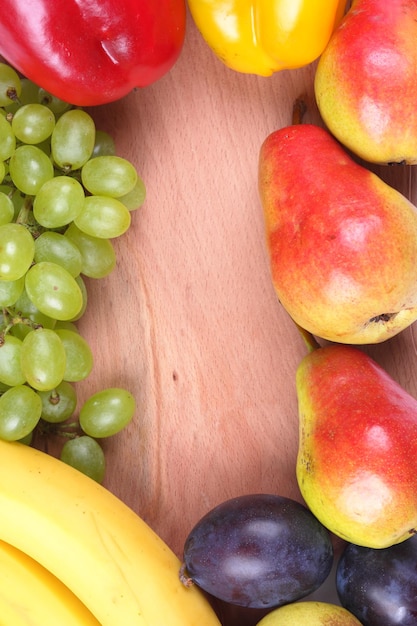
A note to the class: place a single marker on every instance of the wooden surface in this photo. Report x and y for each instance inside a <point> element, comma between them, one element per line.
<point>188,321</point>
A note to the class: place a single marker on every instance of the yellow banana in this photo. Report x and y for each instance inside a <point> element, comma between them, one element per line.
<point>31,596</point>
<point>117,566</point>
<point>9,615</point>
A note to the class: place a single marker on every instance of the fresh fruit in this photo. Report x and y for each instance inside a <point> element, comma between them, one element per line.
<point>62,199</point>
<point>30,167</point>
<point>53,290</point>
<point>17,249</point>
<point>59,404</point>
<point>33,123</point>
<point>365,81</point>
<point>342,243</point>
<point>72,140</point>
<point>267,38</point>
<point>109,175</point>
<point>31,596</point>
<point>309,613</point>
<point>380,586</point>
<point>43,359</point>
<point>20,410</point>
<point>90,52</point>
<point>107,412</point>
<point>86,455</point>
<point>78,355</point>
<point>103,217</point>
<point>10,86</point>
<point>93,543</point>
<point>258,551</point>
<point>356,464</point>
<point>58,202</point>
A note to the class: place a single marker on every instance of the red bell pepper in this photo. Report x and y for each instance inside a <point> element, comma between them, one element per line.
<point>90,52</point>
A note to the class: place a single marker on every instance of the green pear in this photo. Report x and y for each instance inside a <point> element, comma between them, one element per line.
<point>309,613</point>
<point>357,457</point>
<point>342,243</point>
<point>365,83</point>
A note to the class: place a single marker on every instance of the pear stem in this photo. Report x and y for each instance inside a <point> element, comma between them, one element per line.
<point>309,340</point>
<point>298,111</point>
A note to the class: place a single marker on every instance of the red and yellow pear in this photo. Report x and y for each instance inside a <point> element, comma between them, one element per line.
<point>365,82</point>
<point>357,458</point>
<point>342,243</point>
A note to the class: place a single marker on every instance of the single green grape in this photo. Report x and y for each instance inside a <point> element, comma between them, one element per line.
<point>6,208</point>
<point>10,85</point>
<point>58,404</point>
<point>7,139</point>
<point>58,202</point>
<point>20,412</point>
<point>53,290</point>
<point>109,175</point>
<point>30,168</point>
<point>56,248</point>
<point>11,372</point>
<point>43,359</point>
<point>17,250</point>
<point>86,455</point>
<point>103,144</point>
<point>33,123</point>
<point>99,257</point>
<point>72,140</point>
<point>103,217</point>
<point>107,412</point>
<point>79,358</point>
<point>2,171</point>
<point>10,291</point>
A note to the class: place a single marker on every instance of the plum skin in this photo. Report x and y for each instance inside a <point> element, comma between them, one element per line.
<point>379,586</point>
<point>258,551</point>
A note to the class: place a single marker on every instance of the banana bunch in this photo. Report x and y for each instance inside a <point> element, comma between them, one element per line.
<point>73,554</point>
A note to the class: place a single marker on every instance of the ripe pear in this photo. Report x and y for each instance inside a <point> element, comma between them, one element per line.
<point>357,457</point>
<point>365,82</point>
<point>309,614</point>
<point>342,243</point>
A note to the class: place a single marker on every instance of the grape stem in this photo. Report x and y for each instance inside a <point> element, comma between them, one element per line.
<point>68,430</point>
<point>12,319</point>
<point>26,218</point>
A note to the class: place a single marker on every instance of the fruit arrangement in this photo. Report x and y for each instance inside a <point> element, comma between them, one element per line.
<point>342,260</point>
<point>344,279</point>
<point>85,547</point>
<point>65,196</point>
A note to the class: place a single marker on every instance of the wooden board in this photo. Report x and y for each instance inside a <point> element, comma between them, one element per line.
<point>189,321</point>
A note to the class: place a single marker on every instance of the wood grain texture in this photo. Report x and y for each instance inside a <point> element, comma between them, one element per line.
<point>188,321</point>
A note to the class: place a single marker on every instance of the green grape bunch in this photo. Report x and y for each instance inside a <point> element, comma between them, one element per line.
<point>64,196</point>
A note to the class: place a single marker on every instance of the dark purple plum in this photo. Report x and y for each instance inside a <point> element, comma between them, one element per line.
<point>258,551</point>
<point>379,586</point>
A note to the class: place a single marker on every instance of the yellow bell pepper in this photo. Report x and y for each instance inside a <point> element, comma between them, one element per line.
<point>265,36</point>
